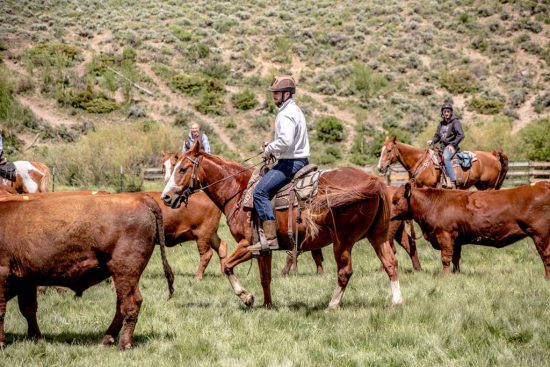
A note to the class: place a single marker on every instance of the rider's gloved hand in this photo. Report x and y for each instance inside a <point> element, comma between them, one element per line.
<point>267,156</point>
<point>429,142</point>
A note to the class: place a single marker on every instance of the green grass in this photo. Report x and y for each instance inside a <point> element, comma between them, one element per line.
<point>494,313</point>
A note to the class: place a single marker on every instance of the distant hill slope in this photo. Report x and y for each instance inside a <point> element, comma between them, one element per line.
<point>376,66</point>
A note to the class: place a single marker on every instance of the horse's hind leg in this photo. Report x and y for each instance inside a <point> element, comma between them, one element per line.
<point>385,254</point>
<point>342,255</point>
<point>238,256</point>
<point>264,264</point>
<point>456,258</point>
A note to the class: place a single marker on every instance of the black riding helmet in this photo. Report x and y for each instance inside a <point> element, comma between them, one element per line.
<point>446,106</point>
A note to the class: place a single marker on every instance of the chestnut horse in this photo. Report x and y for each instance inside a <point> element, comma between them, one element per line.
<point>30,177</point>
<point>396,232</point>
<point>350,205</point>
<point>488,172</point>
<point>168,162</point>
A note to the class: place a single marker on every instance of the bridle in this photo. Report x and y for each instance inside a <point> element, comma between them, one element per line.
<point>195,184</point>
<point>394,153</point>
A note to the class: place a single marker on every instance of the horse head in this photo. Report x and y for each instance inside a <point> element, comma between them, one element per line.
<point>168,162</point>
<point>388,154</point>
<point>183,180</point>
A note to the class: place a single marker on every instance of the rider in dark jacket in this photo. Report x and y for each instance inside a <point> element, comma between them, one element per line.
<point>449,133</point>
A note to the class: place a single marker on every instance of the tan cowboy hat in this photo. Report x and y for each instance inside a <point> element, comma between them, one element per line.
<point>283,83</point>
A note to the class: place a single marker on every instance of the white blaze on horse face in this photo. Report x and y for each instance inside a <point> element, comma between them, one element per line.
<point>23,169</point>
<point>167,169</point>
<point>381,156</point>
<point>171,184</point>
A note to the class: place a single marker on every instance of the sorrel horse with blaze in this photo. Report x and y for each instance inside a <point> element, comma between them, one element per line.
<point>168,161</point>
<point>487,172</point>
<point>350,205</point>
<point>30,177</point>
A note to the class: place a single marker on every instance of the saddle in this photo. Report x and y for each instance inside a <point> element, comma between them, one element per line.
<point>7,170</point>
<point>463,159</point>
<point>300,190</point>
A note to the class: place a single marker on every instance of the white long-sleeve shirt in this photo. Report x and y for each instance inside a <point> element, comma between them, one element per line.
<point>291,140</point>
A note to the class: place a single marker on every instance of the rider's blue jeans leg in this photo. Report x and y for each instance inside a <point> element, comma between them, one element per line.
<point>448,155</point>
<point>278,176</point>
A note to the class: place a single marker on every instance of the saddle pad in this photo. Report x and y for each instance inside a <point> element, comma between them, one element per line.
<point>304,188</point>
<point>465,159</point>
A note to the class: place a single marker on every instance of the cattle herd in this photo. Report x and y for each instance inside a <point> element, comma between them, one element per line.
<point>78,239</point>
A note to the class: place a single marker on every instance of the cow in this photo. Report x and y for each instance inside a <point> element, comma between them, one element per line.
<point>452,218</point>
<point>77,241</point>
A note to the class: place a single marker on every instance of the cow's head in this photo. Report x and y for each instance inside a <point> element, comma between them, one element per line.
<point>401,203</point>
<point>168,162</point>
<point>388,154</point>
<point>184,179</point>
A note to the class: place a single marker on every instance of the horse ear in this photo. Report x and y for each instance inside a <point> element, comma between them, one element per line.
<point>408,190</point>
<point>394,138</point>
<point>196,147</point>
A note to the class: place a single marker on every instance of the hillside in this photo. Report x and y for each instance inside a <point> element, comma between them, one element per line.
<point>364,69</point>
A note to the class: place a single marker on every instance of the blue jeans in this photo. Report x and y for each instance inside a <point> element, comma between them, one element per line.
<point>448,162</point>
<point>278,176</point>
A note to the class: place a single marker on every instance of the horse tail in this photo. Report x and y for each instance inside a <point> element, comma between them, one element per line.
<point>503,159</point>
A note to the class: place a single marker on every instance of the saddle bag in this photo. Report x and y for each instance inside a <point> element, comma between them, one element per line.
<point>465,159</point>
<point>7,171</point>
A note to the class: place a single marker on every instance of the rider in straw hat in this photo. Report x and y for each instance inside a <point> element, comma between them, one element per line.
<point>291,149</point>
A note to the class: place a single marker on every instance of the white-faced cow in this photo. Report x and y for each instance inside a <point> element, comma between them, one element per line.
<point>76,241</point>
<point>452,218</point>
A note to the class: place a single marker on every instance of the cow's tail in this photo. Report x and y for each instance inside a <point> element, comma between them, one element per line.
<point>162,242</point>
<point>503,159</point>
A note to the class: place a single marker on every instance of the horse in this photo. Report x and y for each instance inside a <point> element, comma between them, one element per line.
<point>31,177</point>
<point>168,161</point>
<point>487,172</point>
<point>396,232</point>
<point>350,205</point>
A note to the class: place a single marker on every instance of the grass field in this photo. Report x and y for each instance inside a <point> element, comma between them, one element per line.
<point>496,312</point>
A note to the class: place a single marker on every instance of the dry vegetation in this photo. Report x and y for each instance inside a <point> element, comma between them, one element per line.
<point>372,68</point>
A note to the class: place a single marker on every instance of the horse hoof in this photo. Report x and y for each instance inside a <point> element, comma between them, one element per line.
<point>198,278</point>
<point>124,347</point>
<point>332,307</point>
<point>247,298</point>
<point>397,302</point>
<point>107,340</point>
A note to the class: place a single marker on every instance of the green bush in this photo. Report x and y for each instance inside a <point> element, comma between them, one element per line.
<point>210,103</point>
<point>534,140</point>
<point>51,54</point>
<point>367,83</point>
<point>244,100</point>
<point>329,129</point>
<point>188,84</point>
<point>460,81</point>
<point>486,106</point>
<point>93,102</point>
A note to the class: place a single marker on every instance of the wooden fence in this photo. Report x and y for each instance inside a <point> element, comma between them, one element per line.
<point>519,173</point>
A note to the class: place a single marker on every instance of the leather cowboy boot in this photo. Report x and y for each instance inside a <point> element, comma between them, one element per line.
<point>453,185</point>
<point>270,231</point>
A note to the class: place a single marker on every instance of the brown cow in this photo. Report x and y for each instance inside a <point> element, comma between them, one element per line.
<point>76,241</point>
<point>452,218</point>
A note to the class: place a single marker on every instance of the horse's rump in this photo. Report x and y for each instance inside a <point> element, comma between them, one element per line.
<point>342,187</point>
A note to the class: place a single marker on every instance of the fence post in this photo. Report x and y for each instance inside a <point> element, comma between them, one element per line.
<point>121,179</point>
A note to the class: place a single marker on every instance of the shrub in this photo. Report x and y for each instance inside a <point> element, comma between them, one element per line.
<point>541,102</point>
<point>210,103</point>
<point>460,81</point>
<point>534,140</point>
<point>93,102</point>
<point>50,54</point>
<point>329,129</point>
<point>367,82</point>
<point>188,84</point>
<point>244,100</point>
<point>486,106</point>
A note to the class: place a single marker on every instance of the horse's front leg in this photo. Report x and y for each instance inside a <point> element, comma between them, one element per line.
<point>264,264</point>
<point>241,254</point>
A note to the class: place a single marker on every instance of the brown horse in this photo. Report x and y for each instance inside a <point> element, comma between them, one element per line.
<point>30,177</point>
<point>487,172</point>
<point>396,232</point>
<point>350,205</point>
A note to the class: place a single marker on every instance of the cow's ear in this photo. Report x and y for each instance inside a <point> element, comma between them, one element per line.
<point>408,190</point>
